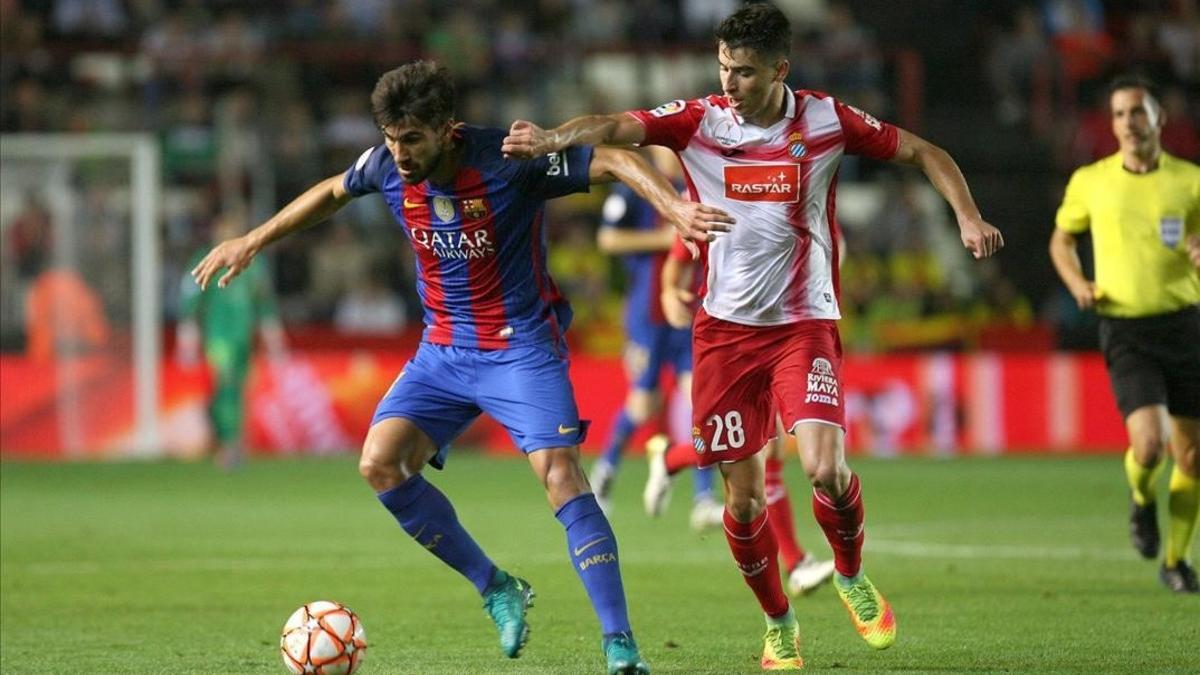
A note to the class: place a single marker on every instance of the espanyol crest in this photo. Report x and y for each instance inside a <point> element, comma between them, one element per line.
<point>444,208</point>
<point>796,147</point>
<point>1170,230</point>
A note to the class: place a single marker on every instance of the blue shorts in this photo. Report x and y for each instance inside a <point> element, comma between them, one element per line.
<point>526,389</point>
<point>649,348</point>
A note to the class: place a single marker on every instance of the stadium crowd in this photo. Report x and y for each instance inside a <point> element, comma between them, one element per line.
<point>252,102</point>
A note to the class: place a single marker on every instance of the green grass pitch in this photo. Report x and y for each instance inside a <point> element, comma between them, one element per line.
<point>992,565</point>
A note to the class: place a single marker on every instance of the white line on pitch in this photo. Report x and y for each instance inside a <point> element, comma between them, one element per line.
<point>916,549</point>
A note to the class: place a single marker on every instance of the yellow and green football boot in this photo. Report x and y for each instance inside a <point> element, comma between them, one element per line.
<point>871,613</point>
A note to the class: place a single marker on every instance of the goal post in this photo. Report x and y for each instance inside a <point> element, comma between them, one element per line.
<point>64,168</point>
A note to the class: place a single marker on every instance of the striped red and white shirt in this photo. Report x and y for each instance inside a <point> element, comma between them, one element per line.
<point>778,264</point>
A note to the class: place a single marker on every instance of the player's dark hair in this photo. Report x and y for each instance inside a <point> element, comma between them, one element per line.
<point>1133,81</point>
<point>759,26</point>
<point>421,91</point>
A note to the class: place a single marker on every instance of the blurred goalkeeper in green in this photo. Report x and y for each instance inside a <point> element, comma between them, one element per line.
<point>223,323</point>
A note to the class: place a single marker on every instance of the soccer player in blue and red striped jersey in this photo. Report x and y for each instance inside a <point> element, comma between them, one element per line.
<point>494,321</point>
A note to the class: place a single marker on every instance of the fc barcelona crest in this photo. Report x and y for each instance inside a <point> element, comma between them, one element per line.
<point>1170,230</point>
<point>474,208</point>
<point>444,208</point>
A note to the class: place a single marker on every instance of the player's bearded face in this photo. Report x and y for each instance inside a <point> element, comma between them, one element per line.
<point>747,80</point>
<point>417,149</point>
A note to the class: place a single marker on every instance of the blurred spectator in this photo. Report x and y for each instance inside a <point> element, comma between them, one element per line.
<point>1018,59</point>
<point>96,18</point>
<point>189,141</point>
<point>1077,33</point>
<point>370,308</point>
<point>30,238</point>
<point>339,264</point>
<point>1179,133</point>
<point>699,16</point>
<point>1179,38</point>
<point>26,109</point>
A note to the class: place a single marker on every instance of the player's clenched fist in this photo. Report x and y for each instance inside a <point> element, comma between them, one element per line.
<point>981,238</point>
<point>233,255</point>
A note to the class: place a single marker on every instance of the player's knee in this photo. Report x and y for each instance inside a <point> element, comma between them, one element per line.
<point>379,475</point>
<point>1148,445</point>
<point>745,507</point>
<point>829,476</point>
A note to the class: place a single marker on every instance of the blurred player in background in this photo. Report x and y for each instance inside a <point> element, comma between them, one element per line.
<point>804,571</point>
<point>1142,207</point>
<point>493,340</point>
<point>633,230</point>
<point>223,325</point>
<point>766,342</point>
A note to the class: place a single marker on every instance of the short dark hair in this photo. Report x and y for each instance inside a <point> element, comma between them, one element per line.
<point>421,91</point>
<point>758,26</point>
<point>1132,81</point>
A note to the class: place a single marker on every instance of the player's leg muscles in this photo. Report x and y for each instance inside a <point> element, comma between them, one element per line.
<point>392,458</point>
<point>1183,500</point>
<point>394,451</point>
<point>823,455</point>
<point>1149,429</point>
<point>750,539</point>
<point>560,473</point>
<point>591,544</point>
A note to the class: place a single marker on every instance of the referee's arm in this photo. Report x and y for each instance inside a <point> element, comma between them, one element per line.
<point>1064,251</point>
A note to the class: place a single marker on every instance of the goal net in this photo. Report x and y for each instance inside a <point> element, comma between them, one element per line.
<point>80,294</point>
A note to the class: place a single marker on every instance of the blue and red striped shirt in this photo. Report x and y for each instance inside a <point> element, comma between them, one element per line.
<point>480,243</point>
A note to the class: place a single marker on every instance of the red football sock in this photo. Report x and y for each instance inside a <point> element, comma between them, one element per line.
<point>754,551</point>
<point>780,508</point>
<point>842,522</point>
<point>678,457</point>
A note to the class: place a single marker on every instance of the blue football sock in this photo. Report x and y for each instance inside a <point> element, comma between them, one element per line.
<point>593,550</point>
<point>702,483</point>
<point>425,513</point>
<point>623,428</point>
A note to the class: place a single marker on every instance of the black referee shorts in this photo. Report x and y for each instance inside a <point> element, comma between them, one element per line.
<point>1154,360</point>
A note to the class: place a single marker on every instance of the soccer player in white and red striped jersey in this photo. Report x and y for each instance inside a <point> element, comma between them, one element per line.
<point>765,339</point>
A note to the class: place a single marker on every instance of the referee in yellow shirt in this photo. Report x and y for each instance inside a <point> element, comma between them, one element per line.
<point>1142,207</point>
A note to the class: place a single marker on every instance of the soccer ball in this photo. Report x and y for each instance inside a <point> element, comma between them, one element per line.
<point>323,638</point>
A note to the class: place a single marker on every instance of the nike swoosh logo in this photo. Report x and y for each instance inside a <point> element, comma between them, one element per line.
<point>412,205</point>
<point>579,551</point>
<point>566,430</point>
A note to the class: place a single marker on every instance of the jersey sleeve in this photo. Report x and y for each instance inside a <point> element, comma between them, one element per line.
<point>865,134</point>
<point>671,124</point>
<point>366,175</point>
<point>556,174</point>
<point>1072,214</point>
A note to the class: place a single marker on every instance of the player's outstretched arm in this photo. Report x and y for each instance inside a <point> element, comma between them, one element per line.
<point>234,255</point>
<point>1064,254</point>
<point>693,221</point>
<point>978,235</point>
<point>527,140</point>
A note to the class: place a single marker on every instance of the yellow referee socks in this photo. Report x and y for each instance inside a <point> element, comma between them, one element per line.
<point>1142,480</point>
<point>1183,503</point>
